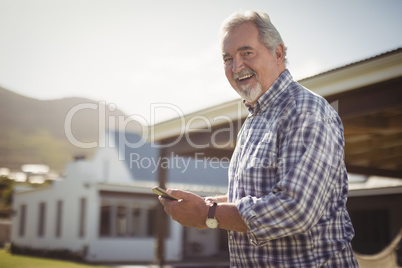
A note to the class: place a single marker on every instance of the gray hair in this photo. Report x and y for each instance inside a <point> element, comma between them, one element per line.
<point>268,34</point>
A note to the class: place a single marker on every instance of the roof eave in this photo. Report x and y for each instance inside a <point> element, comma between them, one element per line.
<point>355,75</point>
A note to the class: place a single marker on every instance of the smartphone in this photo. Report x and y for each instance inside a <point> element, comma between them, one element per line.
<point>162,192</point>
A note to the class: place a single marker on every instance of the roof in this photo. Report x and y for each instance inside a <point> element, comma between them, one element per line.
<point>384,54</point>
<point>367,93</point>
<point>376,185</point>
<point>376,69</point>
<point>143,160</point>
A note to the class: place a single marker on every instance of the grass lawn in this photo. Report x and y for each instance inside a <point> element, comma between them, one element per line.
<point>18,261</point>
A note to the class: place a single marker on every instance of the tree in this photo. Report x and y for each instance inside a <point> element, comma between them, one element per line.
<point>6,195</point>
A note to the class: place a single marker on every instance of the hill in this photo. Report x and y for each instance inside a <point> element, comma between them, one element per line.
<point>36,131</point>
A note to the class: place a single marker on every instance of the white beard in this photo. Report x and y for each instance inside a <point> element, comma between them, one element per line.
<point>249,93</point>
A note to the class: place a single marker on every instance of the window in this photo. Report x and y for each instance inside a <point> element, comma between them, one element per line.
<point>105,221</point>
<point>59,214</point>
<point>151,222</point>
<point>121,221</point>
<point>82,217</point>
<point>42,219</point>
<point>22,219</point>
<point>124,216</point>
<point>136,225</point>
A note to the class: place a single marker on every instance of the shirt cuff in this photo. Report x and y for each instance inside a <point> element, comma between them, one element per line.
<point>256,231</point>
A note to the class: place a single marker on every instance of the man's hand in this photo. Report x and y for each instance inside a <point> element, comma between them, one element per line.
<point>190,210</point>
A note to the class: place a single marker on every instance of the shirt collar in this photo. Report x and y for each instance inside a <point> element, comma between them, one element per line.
<point>269,96</point>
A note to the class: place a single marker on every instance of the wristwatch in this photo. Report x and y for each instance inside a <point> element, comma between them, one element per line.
<point>211,222</point>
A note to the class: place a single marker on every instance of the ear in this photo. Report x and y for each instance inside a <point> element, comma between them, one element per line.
<point>280,53</point>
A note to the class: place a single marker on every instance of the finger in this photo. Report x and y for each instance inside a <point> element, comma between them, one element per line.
<point>179,194</point>
<point>167,210</point>
<point>167,204</point>
<point>164,201</point>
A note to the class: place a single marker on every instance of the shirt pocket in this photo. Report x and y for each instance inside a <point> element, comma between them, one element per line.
<point>261,156</point>
<point>261,151</point>
<point>258,169</point>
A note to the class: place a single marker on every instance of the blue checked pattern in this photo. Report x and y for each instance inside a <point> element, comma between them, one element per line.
<point>288,179</point>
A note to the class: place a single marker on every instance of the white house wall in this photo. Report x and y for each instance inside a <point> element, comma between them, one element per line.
<point>109,168</point>
<point>128,248</point>
<point>79,183</point>
<point>201,242</point>
<point>70,193</point>
<point>139,249</point>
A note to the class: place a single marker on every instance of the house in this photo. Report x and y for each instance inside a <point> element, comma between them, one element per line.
<point>104,209</point>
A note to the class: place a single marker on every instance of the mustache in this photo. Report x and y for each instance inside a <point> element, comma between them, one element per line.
<point>244,73</point>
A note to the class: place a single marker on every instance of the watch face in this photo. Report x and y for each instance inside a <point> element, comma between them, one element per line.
<point>212,223</point>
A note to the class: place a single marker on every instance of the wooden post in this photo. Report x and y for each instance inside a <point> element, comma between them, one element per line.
<point>161,215</point>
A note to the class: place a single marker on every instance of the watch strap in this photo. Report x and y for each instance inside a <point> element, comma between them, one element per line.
<point>211,211</point>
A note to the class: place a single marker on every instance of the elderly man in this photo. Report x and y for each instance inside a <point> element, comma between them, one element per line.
<point>288,186</point>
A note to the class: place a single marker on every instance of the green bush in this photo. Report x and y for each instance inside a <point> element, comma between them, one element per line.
<point>61,254</point>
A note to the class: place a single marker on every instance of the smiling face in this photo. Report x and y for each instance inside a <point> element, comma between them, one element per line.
<point>249,66</point>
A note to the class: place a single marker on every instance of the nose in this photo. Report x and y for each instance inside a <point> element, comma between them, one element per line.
<point>238,64</point>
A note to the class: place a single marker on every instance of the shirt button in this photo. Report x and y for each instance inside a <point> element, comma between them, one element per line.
<point>231,237</point>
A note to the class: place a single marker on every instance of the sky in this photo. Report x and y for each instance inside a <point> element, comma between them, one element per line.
<point>156,60</point>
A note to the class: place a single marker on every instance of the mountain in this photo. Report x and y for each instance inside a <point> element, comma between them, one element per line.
<point>46,132</point>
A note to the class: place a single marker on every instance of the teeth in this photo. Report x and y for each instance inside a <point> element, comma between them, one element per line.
<point>245,76</point>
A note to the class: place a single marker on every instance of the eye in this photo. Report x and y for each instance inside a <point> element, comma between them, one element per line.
<point>247,53</point>
<point>227,60</point>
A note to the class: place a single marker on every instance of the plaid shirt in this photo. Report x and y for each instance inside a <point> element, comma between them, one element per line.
<point>288,180</point>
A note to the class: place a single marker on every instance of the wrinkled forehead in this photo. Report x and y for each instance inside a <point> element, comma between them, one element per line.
<point>243,35</point>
